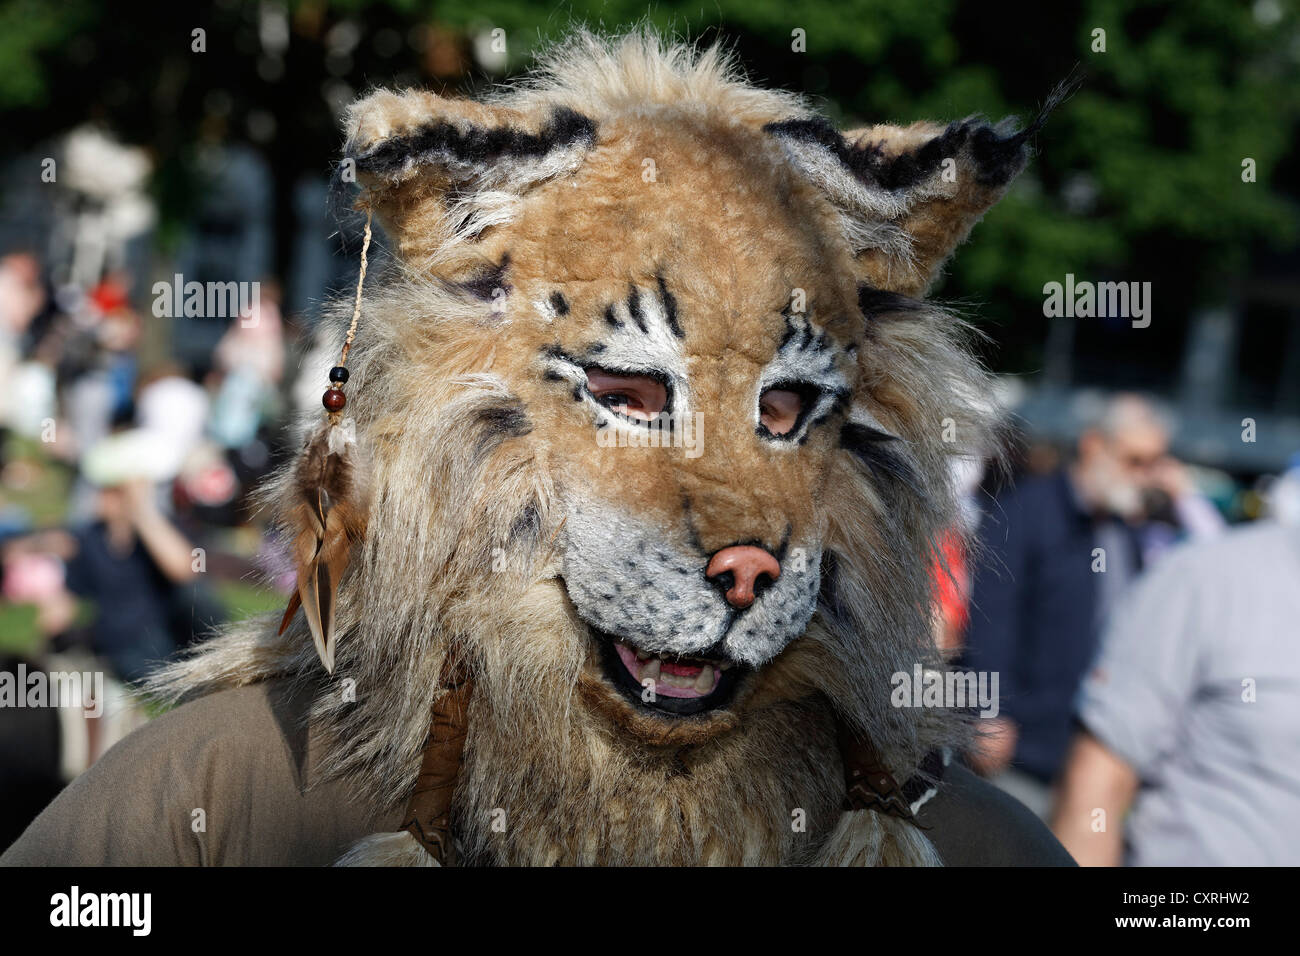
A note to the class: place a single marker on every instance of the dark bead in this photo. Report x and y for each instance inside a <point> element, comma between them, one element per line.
<point>338,374</point>
<point>334,399</point>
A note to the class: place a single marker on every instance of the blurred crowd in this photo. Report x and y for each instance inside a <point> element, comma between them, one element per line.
<point>126,534</point>
<point>1149,678</point>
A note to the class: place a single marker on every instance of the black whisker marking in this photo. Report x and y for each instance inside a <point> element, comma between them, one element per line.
<point>634,308</point>
<point>670,307</point>
<point>790,332</point>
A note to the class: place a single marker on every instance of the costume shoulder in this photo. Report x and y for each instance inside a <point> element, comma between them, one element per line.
<point>973,823</point>
<point>222,780</point>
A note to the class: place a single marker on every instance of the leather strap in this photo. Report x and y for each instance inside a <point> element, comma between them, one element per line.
<point>867,781</point>
<point>428,814</point>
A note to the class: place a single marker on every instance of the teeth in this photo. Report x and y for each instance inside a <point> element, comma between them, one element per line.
<point>704,679</point>
<point>652,668</point>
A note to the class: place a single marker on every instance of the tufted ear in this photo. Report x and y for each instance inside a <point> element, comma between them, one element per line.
<point>439,171</point>
<point>907,196</point>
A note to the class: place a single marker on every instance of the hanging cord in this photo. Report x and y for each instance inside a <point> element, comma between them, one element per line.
<point>334,399</point>
<point>361,279</point>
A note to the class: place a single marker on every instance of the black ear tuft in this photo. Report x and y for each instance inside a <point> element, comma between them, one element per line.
<point>437,172</point>
<point>907,196</point>
<point>999,158</point>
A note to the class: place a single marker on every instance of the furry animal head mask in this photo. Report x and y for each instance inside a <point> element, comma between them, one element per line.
<point>653,430</point>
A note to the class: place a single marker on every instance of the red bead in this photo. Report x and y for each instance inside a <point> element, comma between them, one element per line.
<point>334,400</point>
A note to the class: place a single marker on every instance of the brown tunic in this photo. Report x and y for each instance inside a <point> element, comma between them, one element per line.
<point>241,757</point>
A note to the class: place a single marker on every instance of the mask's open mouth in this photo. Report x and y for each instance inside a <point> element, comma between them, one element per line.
<point>668,685</point>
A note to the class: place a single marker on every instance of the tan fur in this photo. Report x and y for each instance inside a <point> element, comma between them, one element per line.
<point>478,460</point>
<point>388,849</point>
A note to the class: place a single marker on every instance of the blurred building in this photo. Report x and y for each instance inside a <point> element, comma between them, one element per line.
<point>1216,368</point>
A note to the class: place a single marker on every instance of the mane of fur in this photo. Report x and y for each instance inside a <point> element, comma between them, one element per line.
<point>453,477</point>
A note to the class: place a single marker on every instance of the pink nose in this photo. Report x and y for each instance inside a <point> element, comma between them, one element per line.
<point>745,564</point>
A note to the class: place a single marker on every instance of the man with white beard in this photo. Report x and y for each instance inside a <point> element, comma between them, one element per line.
<point>1058,550</point>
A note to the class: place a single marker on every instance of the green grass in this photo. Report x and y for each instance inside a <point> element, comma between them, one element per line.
<point>45,497</point>
<point>241,600</point>
<point>18,633</point>
<point>244,600</point>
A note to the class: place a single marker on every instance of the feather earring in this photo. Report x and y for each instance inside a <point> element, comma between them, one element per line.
<point>327,515</point>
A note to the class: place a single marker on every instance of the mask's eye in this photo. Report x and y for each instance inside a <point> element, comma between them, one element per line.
<point>638,397</point>
<point>779,409</point>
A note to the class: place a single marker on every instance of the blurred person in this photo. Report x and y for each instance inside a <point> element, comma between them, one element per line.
<point>101,390</point>
<point>28,398</point>
<point>1174,509</point>
<point>131,559</point>
<point>33,568</point>
<point>173,407</point>
<point>29,760</point>
<point>42,748</point>
<point>251,357</point>
<point>22,295</point>
<point>952,594</point>
<point>22,298</point>
<point>1189,747</point>
<point>951,568</point>
<point>1283,500</point>
<point>100,368</point>
<point>1057,551</point>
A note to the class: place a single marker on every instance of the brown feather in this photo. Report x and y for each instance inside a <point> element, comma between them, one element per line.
<point>295,602</point>
<point>328,519</point>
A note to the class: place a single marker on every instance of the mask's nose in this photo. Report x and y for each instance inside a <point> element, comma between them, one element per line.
<point>739,571</point>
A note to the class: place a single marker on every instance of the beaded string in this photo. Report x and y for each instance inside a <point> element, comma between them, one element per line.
<point>334,400</point>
